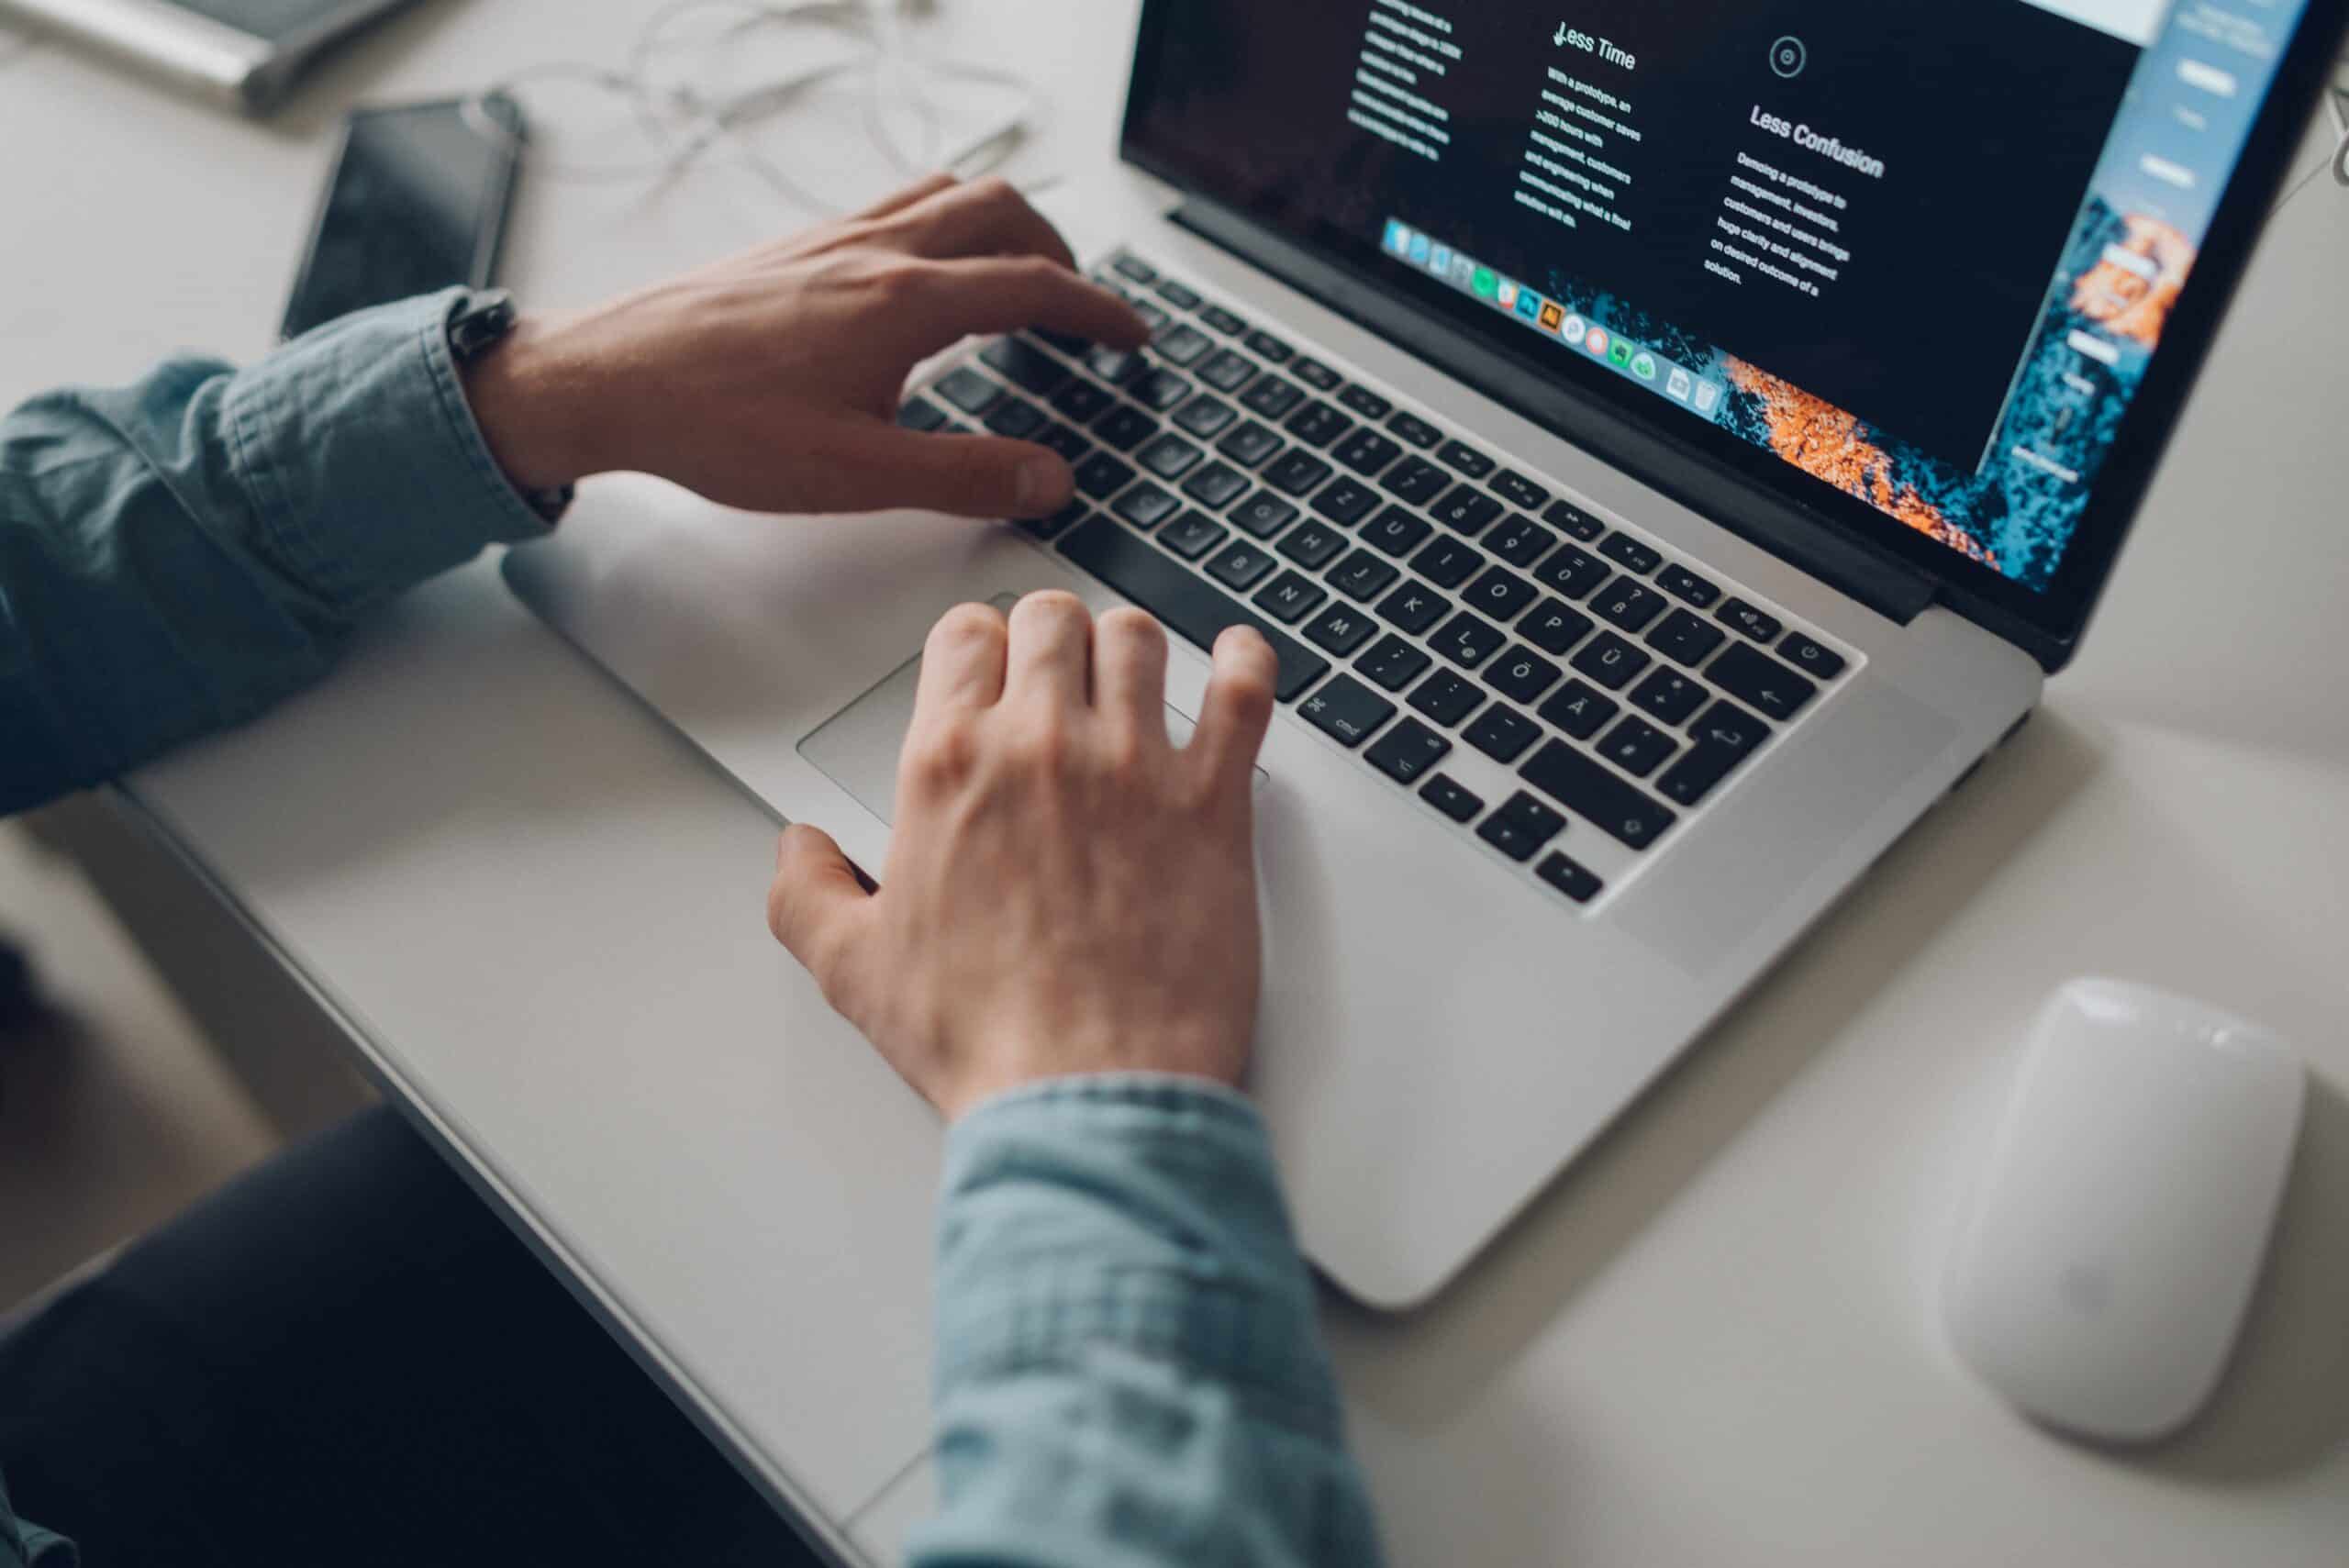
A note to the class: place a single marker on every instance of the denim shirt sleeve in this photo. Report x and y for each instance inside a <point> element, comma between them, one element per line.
<point>177,554</point>
<point>1130,1369</point>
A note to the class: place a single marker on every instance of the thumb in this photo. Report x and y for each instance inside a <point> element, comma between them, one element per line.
<point>971,476</point>
<point>815,906</point>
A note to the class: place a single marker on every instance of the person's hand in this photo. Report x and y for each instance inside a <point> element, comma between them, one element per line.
<point>772,382</point>
<point>1067,893</point>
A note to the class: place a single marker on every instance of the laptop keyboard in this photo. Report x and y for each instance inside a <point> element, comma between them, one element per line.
<point>1427,600</point>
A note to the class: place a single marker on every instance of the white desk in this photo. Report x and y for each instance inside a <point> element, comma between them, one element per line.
<point>1713,1342</point>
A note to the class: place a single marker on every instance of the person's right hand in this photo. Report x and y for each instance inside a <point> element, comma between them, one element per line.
<point>770,381</point>
<point>1067,893</point>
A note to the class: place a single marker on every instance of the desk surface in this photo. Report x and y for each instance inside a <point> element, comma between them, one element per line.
<point>1715,1341</point>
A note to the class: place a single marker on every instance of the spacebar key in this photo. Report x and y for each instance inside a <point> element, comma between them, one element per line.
<point>1596,795</point>
<point>1132,565</point>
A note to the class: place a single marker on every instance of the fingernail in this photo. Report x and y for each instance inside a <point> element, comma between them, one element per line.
<point>1042,480</point>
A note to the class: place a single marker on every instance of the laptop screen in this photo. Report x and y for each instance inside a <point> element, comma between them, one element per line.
<point>1922,254</point>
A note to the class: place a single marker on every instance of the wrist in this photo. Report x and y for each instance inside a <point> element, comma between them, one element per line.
<point>527,403</point>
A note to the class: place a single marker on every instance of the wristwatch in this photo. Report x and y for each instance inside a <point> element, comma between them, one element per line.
<point>481,319</point>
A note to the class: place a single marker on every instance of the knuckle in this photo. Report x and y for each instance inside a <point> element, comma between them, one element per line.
<point>1139,630</point>
<point>1053,607</point>
<point>1040,742</point>
<point>970,626</point>
<point>943,755</point>
<point>994,190</point>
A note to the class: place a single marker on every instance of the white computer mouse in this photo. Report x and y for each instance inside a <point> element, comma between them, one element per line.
<point>2118,1223</point>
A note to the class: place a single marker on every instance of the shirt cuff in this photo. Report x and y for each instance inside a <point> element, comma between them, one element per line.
<point>1139,1211</point>
<point>373,406</point>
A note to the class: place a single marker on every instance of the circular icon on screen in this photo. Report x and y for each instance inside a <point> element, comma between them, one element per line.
<point>1787,56</point>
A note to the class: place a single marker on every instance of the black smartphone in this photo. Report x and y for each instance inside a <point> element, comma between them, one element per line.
<point>417,201</point>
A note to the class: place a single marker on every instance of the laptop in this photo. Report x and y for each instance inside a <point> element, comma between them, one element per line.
<point>1667,449</point>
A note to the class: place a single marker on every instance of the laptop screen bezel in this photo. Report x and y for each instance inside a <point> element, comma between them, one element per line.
<point>1740,479</point>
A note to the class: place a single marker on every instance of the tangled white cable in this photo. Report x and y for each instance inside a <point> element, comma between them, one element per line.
<point>683,118</point>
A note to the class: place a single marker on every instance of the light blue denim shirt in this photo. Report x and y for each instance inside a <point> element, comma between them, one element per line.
<point>1128,1371</point>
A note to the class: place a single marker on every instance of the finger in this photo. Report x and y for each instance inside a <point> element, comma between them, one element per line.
<point>1050,660</point>
<point>815,906</point>
<point>983,218</point>
<point>1238,708</point>
<point>961,664</point>
<point>872,466</point>
<point>1006,294</point>
<point>1130,675</point>
<point>912,195</point>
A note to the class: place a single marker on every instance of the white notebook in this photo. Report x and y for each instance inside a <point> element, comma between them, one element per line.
<point>247,53</point>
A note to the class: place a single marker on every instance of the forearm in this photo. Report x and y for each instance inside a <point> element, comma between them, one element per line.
<point>178,554</point>
<point>1129,1368</point>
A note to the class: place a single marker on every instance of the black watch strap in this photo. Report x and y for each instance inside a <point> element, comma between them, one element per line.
<point>478,323</point>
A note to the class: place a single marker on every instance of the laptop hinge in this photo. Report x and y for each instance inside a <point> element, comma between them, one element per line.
<point>1809,540</point>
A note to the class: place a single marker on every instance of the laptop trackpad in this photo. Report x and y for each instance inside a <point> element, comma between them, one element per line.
<point>857,747</point>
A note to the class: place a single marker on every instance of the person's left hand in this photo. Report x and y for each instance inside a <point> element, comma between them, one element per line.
<point>770,381</point>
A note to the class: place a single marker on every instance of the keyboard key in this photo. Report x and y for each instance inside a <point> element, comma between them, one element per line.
<point>1447,698</point>
<point>1682,636</point>
<point>1569,877</point>
<point>1186,345</point>
<point>1215,485</point>
<point>1364,402</point>
<point>1682,583</point>
<point>1519,540</point>
<point>1317,375</point>
<point>1572,572</point>
<point>1579,710</point>
<point>1444,792</point>
<point>1296,471</point>
<point>1228,371</point>
<point>1466,458</point>
<point>1124,428</point>
<point>1555,627</point>
<point>1026,366</point>
<point>1392,663</point>
<point>1362,576</point>
<point>1114,367</point>
<point>1694,776</point>
<point>1250,445</point>
<point>1341,628</point>
<point>1058,523</point>
<point>1205,417</point>
<point>1016,418</point>
<point>1069,345</point>
<point>1224,321</point>
<point>1759,625</point>
<point>1518,491</point>
<point>1065,441</point>
<point>1318,424</point>
<point>1102,476</point>
<point>968,390</point>
<point>1082,401</point>
<point>1630,554</point>
<point>1193,607</point>
<point>1521,827</point>
<point>1499,594</point>
<point>1759,681</point>
<point>1347,710</point>
<point>921,415</point>
<point>1407,750</point>
<point>1192,535</point>
<point>1610,661</point>
<point>1160,390</point>
<point>1158,319</point>
<point>1313,546</point>
<point>1146,506</point>
<point>1178,295</point>
<point>1347,502</point>
<point>1366,451</point>
<point>1669,694</point>
<point>1728,726</point>
<point>1415,480</point>
<point>1414,432</point>
<point>1637,747</point>
<point>1268,347</point>
<point>1590,791</point>
<point>1169,456</point>
<point>1264,514</point>
<point>1243,566</point>
<point>1466,640</point>
<point>1812,657</point>
<point>1447,562</point>
<point>1502,733</point>
<point>1290,598</point>
<point>1572,519</point>
<point>1521,675</point>
<point>1272,396</point>
<point>1628,605</point>
<point>1414,607</point>
<point>1466,511</point>
<point>1397,531</point>
<point>1137,269</point>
